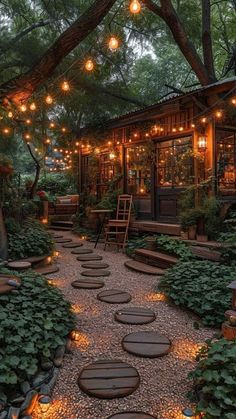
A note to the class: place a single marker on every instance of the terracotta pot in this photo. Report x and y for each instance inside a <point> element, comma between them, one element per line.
<point>192,232</point>
<point>229,332</point>
<point>184,235</point>
<point>202,238</point>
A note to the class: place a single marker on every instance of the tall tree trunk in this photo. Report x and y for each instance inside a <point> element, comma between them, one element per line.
<point>169,15</point>
<point>21,87</point>
<point>206,40</point>
<point>3,237</point>
<point>35,183</point>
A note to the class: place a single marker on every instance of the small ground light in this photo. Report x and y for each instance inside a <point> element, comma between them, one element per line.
<point>187,413</point>
<point>44,403</point>
<point>75,335</point>
<point>135,7</point>
<point>113,43</point>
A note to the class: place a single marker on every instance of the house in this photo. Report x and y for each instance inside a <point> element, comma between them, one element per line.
<point>162,149</point>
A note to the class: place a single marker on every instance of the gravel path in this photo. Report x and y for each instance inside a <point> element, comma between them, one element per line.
<point>163,380</point>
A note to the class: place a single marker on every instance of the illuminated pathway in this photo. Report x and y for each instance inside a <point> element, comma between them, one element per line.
<point>163,381</point>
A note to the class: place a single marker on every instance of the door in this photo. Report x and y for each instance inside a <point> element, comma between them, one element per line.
<point>174,172</point>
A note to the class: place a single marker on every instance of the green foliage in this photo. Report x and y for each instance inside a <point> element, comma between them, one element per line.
<point>31,240</point>
<point>202,287</point>
<point>34,320</point>
<point>134,244</point>
<point>190,218</point>
<point>228,238</point>
<point>57,184</point>
<point>5,161</point>
<point>215,379</point>
<point>211,216</point>
<point>174,247</point>
<point>110,199</point>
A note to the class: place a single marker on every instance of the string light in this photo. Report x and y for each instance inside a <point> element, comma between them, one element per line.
<point>10,114</point>
<point>113,43</point>
<point>89,65</point>
<point>23,108</point>
<point>28,121</point>
<point>63,129</point>
<point>27,136</point>
<point>52,125</point>
<point>47,141</point>
<point>6,131</point>
<point>135,7</point>
<point>49,100</point>
<point>204,120</point>
<point>218,114</point>
<point>33,106</point>
<point>65,86</point>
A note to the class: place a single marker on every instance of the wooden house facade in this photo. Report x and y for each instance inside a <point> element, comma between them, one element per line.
<point>162,149</point>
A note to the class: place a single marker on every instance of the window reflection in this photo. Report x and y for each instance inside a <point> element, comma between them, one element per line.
<point>138,170</point>
<point>226,159</point>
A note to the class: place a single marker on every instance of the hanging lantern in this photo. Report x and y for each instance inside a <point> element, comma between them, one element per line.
<point>202,142</point>
<point>49,100</point>
<point>65,86</point>
<point>33,106</point>
<point>89,65</point>
<point>135,7</point>
<point>113,43</point>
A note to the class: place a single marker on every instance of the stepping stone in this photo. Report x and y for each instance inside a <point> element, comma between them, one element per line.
<point>135,315</point>
<point>95,265</point>
<point>87,258</point>
<point>143,268</point>
<point>63,240</point>
<point>56,236</point>
<point>114,296</point>
<point>146,344</point>
<point>35,260</point>
<point>8,283</point>
<point>46,270</point>
<point>19,265</point>
<point>81,251</point>
<point>88,283</point>
<point>72,245</point>
<point>108,379</point>
<point>95,272</point>
<point>131,415</point>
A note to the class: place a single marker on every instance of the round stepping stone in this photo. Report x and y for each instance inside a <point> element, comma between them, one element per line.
<point>95,265</point>
<point>87,258</point>
<point>19,265</point>
<point>63,240</point>
<point>72,245</point>
<point>8,283</point>
<point>95,272</point>
<point>146,344</point>
<point>56,236</point>
<point>88,283</point>
<point>114,296</point>
<point>131,415</point>
<point>108,379</point>
<point>135,315</point>
<point>46,270</point>
<point>81,251</point>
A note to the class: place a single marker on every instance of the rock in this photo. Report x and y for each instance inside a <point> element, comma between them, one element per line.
<point>28,406</point>
<point>13,283</point>
<point>25,387</point>
<point>46,364</point>
<point>46,389</point>
<point>13,413</point>
<point>27,417</point>
<point>18,400</point>
<point>40,378</point>
<point>59,355</point>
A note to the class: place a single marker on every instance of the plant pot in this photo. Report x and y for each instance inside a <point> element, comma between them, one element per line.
<point>151,243</point>
<point>228,331</point>
<point>202,238</point>
<point>192,232</point>
<point>6,170</point>
<point>184,235</point>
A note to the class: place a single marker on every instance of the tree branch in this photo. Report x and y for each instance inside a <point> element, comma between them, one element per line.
<point>206,39</point>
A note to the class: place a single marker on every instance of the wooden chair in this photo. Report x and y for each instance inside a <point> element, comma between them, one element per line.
<point>117,230</point>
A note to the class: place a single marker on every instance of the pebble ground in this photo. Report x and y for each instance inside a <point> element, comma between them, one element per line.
<point>164,382</point>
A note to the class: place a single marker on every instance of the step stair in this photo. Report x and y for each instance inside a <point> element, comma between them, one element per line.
<point>61,225</point>
<point>143,268</point>
<point>155,227</point>
<point>157,259</point>
<point>206,253</point>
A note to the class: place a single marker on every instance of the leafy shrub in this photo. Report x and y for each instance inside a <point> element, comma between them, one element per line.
<point>174,247</point>
<point>134,244</point>
<point>34,321</point>
<point>228,238</point>
<point>215,380</point>
<point>57,184</point>
<point>31,240</point>
<point>202,287</point>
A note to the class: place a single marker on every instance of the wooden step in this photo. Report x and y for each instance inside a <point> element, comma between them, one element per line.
<point>204,253</point>
<point>143,268</point>
<point>155,227</point>
<point>158,259</point>
<point>60,228</point>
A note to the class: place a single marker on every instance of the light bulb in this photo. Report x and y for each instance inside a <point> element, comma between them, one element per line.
<point>65,86</point>
<point>23,108</point>
<point>49,99</point>
<point>33,106</point>
<point>113,43</point>
<point>89,65</point>
<point>10,114</point>
<point>135,7</point>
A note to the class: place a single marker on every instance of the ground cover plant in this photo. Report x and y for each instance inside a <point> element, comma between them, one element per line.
<point>215,379</point>
<point>133,244</point>
<point>34,321</point>
<point>30,239</point>
<point>174,247</point>
<point>202,287</point>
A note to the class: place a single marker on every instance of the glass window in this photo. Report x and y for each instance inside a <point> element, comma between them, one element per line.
<point>226,159</point>
<point>175,162</point>
<point>138,170</point>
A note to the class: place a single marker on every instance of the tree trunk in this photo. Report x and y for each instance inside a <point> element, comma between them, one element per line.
<point>3,237</point>
<point>36,179</point>
<point>206,40</point>
<point>21,87</point>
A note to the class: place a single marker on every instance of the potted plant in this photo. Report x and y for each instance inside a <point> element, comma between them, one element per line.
<point>6,166</point>
<point>189,220</point>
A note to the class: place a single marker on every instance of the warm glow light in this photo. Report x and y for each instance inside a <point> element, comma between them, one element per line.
<point>181,128</point>
<point>52,125</point>
<point>89,65</point>
<point>47,141</point>
<point>23,108</point>
<point>193,125</point>
<point>109,143</point>
<point>155,296</point>
<point>63,129</point>
<point>33,106</point>
<point>218,114</point>
<point>234,101</point>
<point>204,120</point>
<point>77,144</point>
<point>27,136</point>
<point>44,221</point>
<point>49,100</point>
<point>146,135</point>
<point>65,86</point>
<point>10,114</point>
<point>202,142</point>
<point>28,121</point>
<point>44,403</point>
<point>142,190</point>
<point>174,130</point>
<point>135,7</point>
<point>112,156</point>
<point>6,131</point>
<point>113,43</point>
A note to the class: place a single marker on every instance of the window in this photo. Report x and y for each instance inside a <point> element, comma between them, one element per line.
<point>226,159</point>
<point>138,170</point>
<point>175,162</point>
